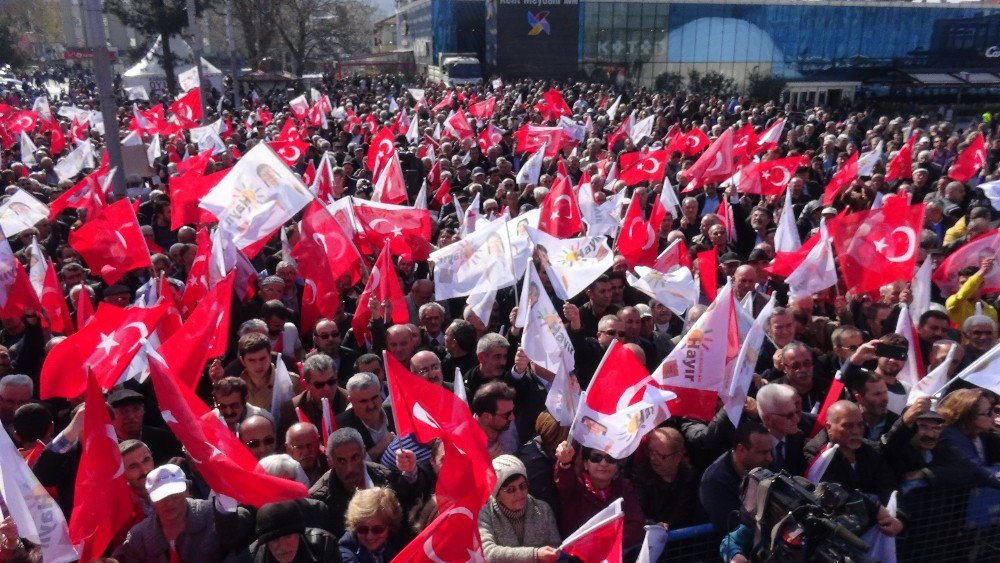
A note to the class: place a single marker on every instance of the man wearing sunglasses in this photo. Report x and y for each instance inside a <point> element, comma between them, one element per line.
<point>321,383</point>
<point>778,407</point>
<point>327,339</point>
<point>257,434</point>
<point>588,350</point>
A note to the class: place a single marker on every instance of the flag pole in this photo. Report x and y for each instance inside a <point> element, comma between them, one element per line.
<point>970,369</point>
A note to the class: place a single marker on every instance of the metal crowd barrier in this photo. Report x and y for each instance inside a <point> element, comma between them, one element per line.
<point>943,525</point>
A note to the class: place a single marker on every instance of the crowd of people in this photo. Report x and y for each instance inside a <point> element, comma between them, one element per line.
<point>371,490</point>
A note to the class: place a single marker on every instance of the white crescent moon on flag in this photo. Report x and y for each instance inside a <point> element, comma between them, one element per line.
<point>375,222</point>
<point>375,277</point>
<point>121,239</point>
<point>911,244</point>
<point>716,163</point>
<point>785,175</point>
<point>311,285</point>
<point>650,237</point>
<point>692,141</point>
<point>429,547</point>
<point>653,161</point>
<point>294,151</point>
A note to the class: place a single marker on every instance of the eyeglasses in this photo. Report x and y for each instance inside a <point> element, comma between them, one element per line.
<point>269,441</point>
<point>298,447</point>
<point>598,457</point>
<point>322,384</point>
<point>511,489</point>
<point>426,370</point>
<point>851,347</point>
<point>370,530</point>
<point>614,332</point>
<point>327,335</point>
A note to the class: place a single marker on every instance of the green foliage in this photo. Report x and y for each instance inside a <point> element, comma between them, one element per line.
<point>764,87</point>
<point>9,52</point>
<point>711,83</point>
<point>669,82</point>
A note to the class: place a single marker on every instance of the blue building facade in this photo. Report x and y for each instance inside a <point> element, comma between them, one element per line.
<point>431,27</point>
<point>791,40</point>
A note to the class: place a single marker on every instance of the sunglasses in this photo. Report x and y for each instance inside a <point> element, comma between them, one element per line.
<point>269,441</point>
<point>598,457</point>
<point>614,332</point>
<point>322,384</point>
<point>327,335</point>
<point>370,530</point>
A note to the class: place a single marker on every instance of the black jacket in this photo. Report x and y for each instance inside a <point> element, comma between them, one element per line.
<point>330,490</point>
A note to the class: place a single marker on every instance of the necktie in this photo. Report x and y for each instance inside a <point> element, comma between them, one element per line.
<point>174,557</point>
<point>779,455</point>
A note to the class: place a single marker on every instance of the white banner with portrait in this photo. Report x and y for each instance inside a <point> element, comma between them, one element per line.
<point>476,264</point>
<point>21,212</point>
<point>256,197</point>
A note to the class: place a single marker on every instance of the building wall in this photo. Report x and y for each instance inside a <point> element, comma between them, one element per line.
<point>793,40</point>
<point>431,27</point>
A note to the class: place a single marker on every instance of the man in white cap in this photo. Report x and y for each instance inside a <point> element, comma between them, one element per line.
<point>181,528</point>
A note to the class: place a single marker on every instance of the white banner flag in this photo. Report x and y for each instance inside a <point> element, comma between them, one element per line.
<point>675,289</point>
<point>476,264</point>
<point>573,263</point>
<point>38,517</point>
<point>21,212</point>
<point>532,168</point>
<point>73,163</point>
<point>258,195</point>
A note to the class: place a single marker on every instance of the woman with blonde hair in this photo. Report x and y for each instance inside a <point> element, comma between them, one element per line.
<point>970,431</point>
<point>374,524</point>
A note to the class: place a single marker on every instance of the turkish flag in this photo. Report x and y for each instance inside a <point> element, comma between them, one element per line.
<point>382,146</point>
<point>319,300</point>
<point>309,174</point>
<point>624,131</point>
<point>187,109</point>
<point>458,125</point>
<point>290,151</point>
<point>643,166</point>
<point>600,538</point>
<point>833,394</point>
<point>218,455</point>
<point>445,102</point>
<point>443,195</point>
<point>714,164</point>
<point>786,262</point>
<point>708,273</point>
<point>323,252</point>
<point>484,109</point>
<point>901,165</point>
<point>99,518</point>
<point>971,253</point>
<point>769,177</point>
<point>769,139</point>
<point>186,192</point>
<point>490,136</point>
<point>673,257</point>
<point>878,246</point>
<point>88,193</point>
<point>197,280</point>
<point>322,181</point>
<point>195,163</point>
<point>111,242</point>
<point>690,143</point>
<point>554,105</point>
<point>841,179</point>
<point>637,241</point>
<point>78,131</point>
<point>54,303</point>
<point>289,132</point>
<point>23,121</point>
<point>560,214</point>
<point>57,139</point>
<point>84,308</point>
<point>16,292</point>
<point>466,479</point>
<point>204,335</point>
<point>104,347</point>
<point>383,285</point>
<point>744,144</point>
<point>530,138</point>
<point>434,175</point>
<point>970,161</point>
<point>390,186</point>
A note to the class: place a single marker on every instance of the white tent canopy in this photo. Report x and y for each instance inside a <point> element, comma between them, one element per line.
<point>149,73</point>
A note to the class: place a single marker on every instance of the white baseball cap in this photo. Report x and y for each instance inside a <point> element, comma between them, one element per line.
<point>164,481</point>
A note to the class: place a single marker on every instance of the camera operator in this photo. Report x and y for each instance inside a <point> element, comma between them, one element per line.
<point>841,512</point>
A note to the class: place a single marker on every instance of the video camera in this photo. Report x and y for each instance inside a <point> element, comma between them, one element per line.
<point>794,520</point>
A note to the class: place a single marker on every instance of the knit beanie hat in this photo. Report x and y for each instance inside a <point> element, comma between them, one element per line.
<point>507,466</point>
<point>279,519</point>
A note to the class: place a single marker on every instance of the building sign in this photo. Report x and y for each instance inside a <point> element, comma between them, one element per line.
<point>993,52</point>
<point>85,54</point>
<point>537,37</point>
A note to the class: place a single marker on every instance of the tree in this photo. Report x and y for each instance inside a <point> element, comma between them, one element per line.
<point>9,52</point>
<point>669,82</point>
<point>316,30</point>
<point>165,18</point>
<point>257,19</point>
<point>711,83</point>
<point>761,87</point>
